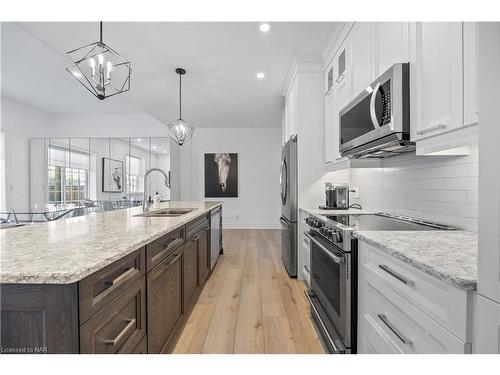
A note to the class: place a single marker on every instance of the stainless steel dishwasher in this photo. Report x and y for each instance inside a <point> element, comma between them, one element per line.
<point>215,236</point>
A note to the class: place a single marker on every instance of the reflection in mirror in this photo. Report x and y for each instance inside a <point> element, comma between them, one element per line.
<point>160,158</point>
<point>72,177</point>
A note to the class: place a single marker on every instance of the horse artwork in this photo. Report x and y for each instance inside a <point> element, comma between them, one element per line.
<point>221,175</point>
<point>112,175</point>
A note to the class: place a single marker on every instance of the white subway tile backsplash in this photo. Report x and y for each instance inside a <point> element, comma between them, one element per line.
<point>443,189</point>
<point>472,197</point>
<point>472,169</point>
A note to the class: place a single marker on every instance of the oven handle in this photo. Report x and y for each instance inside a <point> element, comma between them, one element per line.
<point>329,338</point>
<point>335,258</point>
<point>373,114</point>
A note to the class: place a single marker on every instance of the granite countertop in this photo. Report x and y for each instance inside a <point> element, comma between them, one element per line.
<point>448,255</point>
<point>68,250</point>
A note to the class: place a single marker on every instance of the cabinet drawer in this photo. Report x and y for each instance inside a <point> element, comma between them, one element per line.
<point>373,340</point>
<point>197,224</point>
<point>142,347</point>
<point>401,326</point>
<point>119,327</point>
<point>443,302</point>
<point>99,289</point>
<point>161,248</point>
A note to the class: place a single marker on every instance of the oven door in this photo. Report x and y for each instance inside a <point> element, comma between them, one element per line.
<point>330,284</point>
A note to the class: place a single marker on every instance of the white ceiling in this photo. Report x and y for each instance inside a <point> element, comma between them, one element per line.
<point>221,59</point>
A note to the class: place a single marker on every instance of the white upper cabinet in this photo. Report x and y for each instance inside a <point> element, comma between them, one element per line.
<point>338,95</point>
<point>331,130</point>
<point>392,45</point>
<point>362,57</point>
<point>470,73</point>
<point>436,75</point>
<point>290,112</point>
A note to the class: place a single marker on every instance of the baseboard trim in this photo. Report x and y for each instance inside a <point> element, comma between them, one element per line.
<point>250,226</point>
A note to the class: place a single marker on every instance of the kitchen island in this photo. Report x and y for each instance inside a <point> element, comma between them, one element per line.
<point>111,282</point>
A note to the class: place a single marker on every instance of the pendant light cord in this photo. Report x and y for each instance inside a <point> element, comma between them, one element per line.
<point>180,95</point>
<point>100,31</point>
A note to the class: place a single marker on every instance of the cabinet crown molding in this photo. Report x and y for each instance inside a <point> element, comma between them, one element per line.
<point>306,64</point>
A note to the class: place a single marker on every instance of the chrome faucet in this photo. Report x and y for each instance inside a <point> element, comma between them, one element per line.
<point>145,205</point>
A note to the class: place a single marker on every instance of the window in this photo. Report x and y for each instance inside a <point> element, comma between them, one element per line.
<point>67,184</point>
<point>135,173</point>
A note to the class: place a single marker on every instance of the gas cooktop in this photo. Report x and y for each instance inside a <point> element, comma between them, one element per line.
<point>382,221</point>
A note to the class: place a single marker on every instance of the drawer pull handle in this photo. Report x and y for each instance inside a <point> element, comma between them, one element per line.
<point>405,340</point>
<point>123,276</point>
<point>195,238</point>
<point>117,339</point>
<point>431,128</point>
<point>397,275</point>
<point>173,260</point>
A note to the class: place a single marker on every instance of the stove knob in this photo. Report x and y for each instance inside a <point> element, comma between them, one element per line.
<point>308,220</point>
<point>323,230</point>
<point>329,233</point>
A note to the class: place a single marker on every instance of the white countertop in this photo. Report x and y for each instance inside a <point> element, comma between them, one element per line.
<point>450,256</point>
<point>67,250</point>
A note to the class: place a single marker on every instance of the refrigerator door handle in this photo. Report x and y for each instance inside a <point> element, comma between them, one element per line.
<point>284,223</point>
<point>283,181</point>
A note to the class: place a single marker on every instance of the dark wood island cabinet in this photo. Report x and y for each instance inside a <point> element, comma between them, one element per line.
<point>137,304</point>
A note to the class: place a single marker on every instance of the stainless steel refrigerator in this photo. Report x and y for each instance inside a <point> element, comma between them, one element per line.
<point>289,209</point>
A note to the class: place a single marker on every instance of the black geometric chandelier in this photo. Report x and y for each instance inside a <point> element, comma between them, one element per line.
<point>180,129</point>
<point>100,69</point>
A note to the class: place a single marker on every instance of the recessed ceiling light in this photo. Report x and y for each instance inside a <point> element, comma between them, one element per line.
<point>264,27</point>
<point>260,75</point>
<point>138,139</point>
<point>164,151</point>
<point>154,147</point>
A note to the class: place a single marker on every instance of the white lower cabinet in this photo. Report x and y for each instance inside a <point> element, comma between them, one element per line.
<point>487,327</point>
<point>304,251</point>
<point>389,324</point>
<point>404,310</point>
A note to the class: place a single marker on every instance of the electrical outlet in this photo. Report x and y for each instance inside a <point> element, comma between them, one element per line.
<point>355,192</point>
<point>237,217</point>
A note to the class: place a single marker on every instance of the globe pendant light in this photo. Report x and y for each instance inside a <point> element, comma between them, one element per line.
<point>180,129</point>
<point>100,69</point>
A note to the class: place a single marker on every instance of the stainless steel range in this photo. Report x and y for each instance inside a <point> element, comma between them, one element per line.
<point>333,291</point>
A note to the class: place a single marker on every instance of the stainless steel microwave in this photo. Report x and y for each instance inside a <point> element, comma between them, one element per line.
<point>376,123</point>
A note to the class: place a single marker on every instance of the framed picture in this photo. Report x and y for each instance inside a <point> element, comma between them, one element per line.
<point>221,175</point>
<point>112,175</point>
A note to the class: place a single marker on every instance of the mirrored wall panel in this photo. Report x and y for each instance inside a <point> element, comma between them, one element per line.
<point>100,173</point>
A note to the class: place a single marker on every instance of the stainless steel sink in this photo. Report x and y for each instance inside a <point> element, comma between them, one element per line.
<point>167,212</point>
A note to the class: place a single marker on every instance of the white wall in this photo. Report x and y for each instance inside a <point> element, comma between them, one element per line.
<point>442,189</point>
<point>259,154</point>
<point>108,125</point>
<point>20,123</point>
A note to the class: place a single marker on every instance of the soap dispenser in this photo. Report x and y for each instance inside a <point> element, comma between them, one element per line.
<point>156,200</point>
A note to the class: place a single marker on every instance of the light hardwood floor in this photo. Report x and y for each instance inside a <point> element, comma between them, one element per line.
<point>249,304</point>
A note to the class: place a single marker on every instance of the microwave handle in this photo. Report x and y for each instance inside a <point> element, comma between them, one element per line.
<point>373,114</point>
